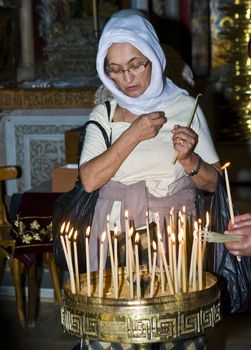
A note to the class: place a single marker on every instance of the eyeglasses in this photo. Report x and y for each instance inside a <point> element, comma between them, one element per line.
<point>117,72</point>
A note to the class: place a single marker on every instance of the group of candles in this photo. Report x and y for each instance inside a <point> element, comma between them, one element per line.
<point>179,271</point>
<point>175,273</point>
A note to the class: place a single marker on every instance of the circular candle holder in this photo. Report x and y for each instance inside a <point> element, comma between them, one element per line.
<point>162,318</point>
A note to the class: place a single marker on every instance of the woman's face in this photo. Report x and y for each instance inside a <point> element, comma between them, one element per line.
<point>128,68</point>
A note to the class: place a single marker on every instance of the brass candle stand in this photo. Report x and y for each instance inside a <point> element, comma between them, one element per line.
<point>143,321</point>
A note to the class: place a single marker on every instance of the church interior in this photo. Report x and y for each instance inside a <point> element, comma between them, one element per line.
<point>48,87</point>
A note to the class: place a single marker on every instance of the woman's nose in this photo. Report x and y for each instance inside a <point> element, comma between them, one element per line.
<point>128,76</point>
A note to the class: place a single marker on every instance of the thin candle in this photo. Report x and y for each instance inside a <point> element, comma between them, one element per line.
<point>126,241</point>
<point>172,219</point>
<point>63,244</point>
<point>180,258</point>
<point>108,232</point>
<point>230,204</point>
<point>169,281</point>
<point>87,257</point>
<point>68,245</point>
<point>184,261</point>
<point>204,243</point>
<point>200,256</point>
<point>130,263</point>
<point>116,262</point>
<point>148,243</point>
<point>153,269</point>
<point>170,251</point>
<point>194,275</point>
<point>174,263</point>
<point>101,266</point>
<point>95,15</point>
<point>76,261</point>
<point>138,293</point>
<point>162,280</point>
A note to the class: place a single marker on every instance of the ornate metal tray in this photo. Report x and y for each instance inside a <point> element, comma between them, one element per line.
<point>139,321</point>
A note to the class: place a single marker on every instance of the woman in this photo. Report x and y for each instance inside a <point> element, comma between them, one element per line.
<point>147,126</point>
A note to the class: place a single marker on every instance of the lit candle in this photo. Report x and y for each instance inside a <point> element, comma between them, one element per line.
<point>63,244</point>
<point>116,262</point>
<point>180,257</point>
<point>174,263</point>
<point>192,254</point>
<point>148,243</point>
<point>110,246</point>
<point>230,204</point>
<point>137,266</point>
<point>76,261</point>
<point>153,269</point>
<point>101,266</point>
<point>194,264</point>
<point>172,219</point>
<point>130,265</point>
<point>162,281</point>
<point>170,251</point>
<point>126,241</point>
<point>87,257</point>
<point>169,281</point>
<point>68,245</point>
<point>184,261</point>
<point>200,256</point>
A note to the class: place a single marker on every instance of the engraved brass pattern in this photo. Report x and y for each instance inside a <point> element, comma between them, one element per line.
<point>152,320</point>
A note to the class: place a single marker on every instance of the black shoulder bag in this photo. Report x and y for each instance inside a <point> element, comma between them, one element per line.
<point>76,206</point>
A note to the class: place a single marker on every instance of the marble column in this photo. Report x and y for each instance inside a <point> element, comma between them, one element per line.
<point>26,69</point>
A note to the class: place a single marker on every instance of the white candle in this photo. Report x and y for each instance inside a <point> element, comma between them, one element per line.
<point>180,258</point>
<point>200,257</point>
<point>170,251</point>
<point>63,244</point>
<point>87,257</point>
<point>169,281</point>
<point>110,246</point>
<point>126,241</point>
<point>184,261</point>
<point>153,269</point>
<point>138,293</point>
<point>148,243</point>
<point>130,262</point>
<point>101,266</point>
<point>174,263</point>
<point>162,280</point>
<point>116,284</point>
<point>76,261</point>
<point>230,204</point>
<point>68,245</point>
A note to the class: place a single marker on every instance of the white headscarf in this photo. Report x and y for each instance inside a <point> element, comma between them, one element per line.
<point>130,26</point>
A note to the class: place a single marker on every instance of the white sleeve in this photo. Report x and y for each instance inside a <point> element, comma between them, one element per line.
<point>94,143</point>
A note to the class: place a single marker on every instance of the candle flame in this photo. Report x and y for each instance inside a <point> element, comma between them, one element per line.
<point>130,232</point>
<point>67,227</point>
<point>115,231</point>
<point>207,220</point>
<point>103,237</point>
<point>184,209</point>
<point>224,166</point>
<point>195,234</point>
<point>136,238</point>
<point>195,225</point>
<point>169,230</point>
<point>70,233</point>
<point>62,228</point>
<point>108,218</point>
<point>126,214</point>
<point>154,246</point>
<point>180,235</point>
<point>147,214</point>
<point>87,232</point>
<point>75,235</point>
<point>173,237</point>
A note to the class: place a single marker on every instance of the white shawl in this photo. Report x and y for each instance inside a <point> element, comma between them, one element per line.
<point>130,26</point>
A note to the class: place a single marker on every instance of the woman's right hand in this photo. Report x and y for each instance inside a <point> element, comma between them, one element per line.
<point>147,126</point>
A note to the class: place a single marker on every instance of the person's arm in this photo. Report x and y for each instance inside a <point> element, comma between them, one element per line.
<point>185,140</point>
<point>241,226</point>
<point>99,170</point>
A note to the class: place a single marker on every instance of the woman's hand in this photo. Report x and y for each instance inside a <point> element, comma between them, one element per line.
<point>184,141</point>
<point>241,226</point>
<point>147,126</point>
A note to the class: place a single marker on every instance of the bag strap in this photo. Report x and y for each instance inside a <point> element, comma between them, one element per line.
<point>104,133</point>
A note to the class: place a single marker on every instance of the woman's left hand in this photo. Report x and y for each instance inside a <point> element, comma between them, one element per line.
<point>184,141</point>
